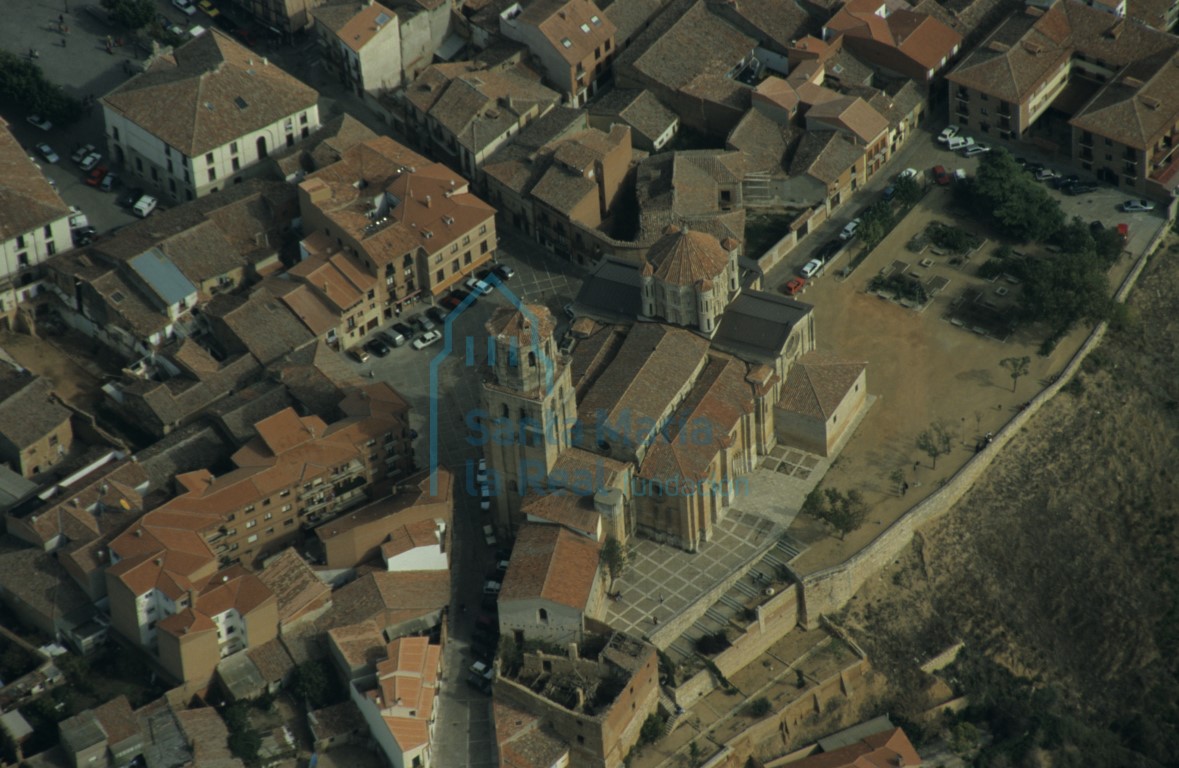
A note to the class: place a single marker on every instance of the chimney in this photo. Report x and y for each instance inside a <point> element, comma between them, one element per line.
<point>572,651</point>
<point>427,201</point>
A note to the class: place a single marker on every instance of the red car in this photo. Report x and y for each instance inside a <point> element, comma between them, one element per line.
<point>794,285</point>
<point>96,176</point>
<point>940,175</point>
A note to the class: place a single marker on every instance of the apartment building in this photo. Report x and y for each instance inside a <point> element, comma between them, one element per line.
<point>35,226</point>
<point>1113,80</point>
<point>398,702</point>
<point>898,41</point>
<point>385,227</point>
<point>572,40</point>
<point>204,117</point>
<point>362,44</point>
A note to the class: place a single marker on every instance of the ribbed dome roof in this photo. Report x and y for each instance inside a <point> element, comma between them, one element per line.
<point>684,258</point>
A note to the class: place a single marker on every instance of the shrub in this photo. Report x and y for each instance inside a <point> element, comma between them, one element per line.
<point>759,707</point>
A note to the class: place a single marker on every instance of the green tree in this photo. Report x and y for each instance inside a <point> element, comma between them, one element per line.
<point>131,14</point>
<point>759,707</point>
<point>23,84</point>
<point>244,741</point>
<point>1014,201</point>
<point>1061,290</point>
<point>844,512</point>
<point>935,441</point>
<point>908,191</point>
<point>1017,368</point>
<point>652,729</point>
<point>312,683</point>
<point>616,558</point>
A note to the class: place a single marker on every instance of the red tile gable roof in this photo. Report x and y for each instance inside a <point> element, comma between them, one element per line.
<point>551,563</point>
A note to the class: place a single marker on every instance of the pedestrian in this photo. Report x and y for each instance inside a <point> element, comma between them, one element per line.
<point>905,488</point>
<point>661,598</point>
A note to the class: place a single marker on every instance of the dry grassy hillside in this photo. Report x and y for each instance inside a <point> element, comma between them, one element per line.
<point>1060,567</point>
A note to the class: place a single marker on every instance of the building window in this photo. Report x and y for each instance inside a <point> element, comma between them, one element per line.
<point>303,119</point>
<point>483,230</point>
<point>467,240</point>
<point>268,515</point>
<point>454,266</point>
<point>139,165</point>
<point>50,248</point>
<point>208,157</point>
<point>233,147</point>
<point>252,538</point>
<point>237,164</point>
<point>467,257</point>
<point>252,524</point>
<point>439,276</point>
<point>286,507</point>
<point>543,615</point>
<point>115,133</point>
<point>483,247</point>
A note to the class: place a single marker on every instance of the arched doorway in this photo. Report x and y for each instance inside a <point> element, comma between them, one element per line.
<point>261,147</point>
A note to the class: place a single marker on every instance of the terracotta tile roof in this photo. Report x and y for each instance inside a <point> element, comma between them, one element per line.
<point>825,156</point>
<point>573,510</point>
<point>580,22</point>
<point>425,205</point>
<point>700,428</point>
<point>763,142</point>
<point>524,740</point>
<point>186,622</point>
<point>343,719</point>
<point>576,464</point>
<point>1140,106</point>
<point>685,188</point>
<point>307,304</point>
<point>356,24</point>
<point>207,736</point>
<point>389,598</point>
<point>117,719</point>
<point>654,365</point>
<point>817,384</point>
<point>294,584</point>
<point>30,576</point>
<point>191,99</point>
<point>1152,13</point>
<point>640,109</point>
<point>29,410</point>
<point>411,492</point>
<point>851,114</point>
<point>880,750</point>
<point>683,257</point>
<point>684,41</point>
<point>360,645</point>
<point>776,22</point>
<point>233,589</point>
<point>479,106</point>
<point>777,92</point>
<point>27,201</point>
<point>272,660</point>
<point>570,177</point>
<point>515,166</point>
<point>423,533</point>
<point>551,563</point>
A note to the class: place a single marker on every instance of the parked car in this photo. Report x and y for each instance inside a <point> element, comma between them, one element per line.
<point>144,206</point>
<point>184,6</point>
<point>908,173</point>
<point>358,354</point>
<point>1137,206</point>
<point>849,230</point>
<point>940,175</point>
<point>481,472</point>
<point>568,344</point>
<point>947,133</point>
<point>477,286</point>
<point>129,198</point>
<point>46,151</point>
<point>405,330</point>
<point>1096,227</point>
<point>960,174</point>
<point>489,535</point>
<point>96,176</point>
<point>976,149</point>
<point>1079,189</point>
<point>209,9</point>
<point>485,498</point>
<point>960,142</point>
<point>438,314</point>
<point>889,193</point>
<point>170,26</point>
<point>569,311</point>
<point>504,272</point>
<point>39,122</point>
<point>77,218</point>
<point>81,152</point>
<point>811,268</point>
<point>422,322</point>
<point>109,182</point>
<point>1046,174</point>
<point>90,161</point>
<point>378,347</point>
<point>393,338</point>
<point>794,286</point>
<point>83,235</point>
<point>426,339</point>
<point>481,676</point>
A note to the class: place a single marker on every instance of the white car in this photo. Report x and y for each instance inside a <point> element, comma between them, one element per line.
<point>426,339</point>
<point>478,287</point>
<point>960,142</point>
<point>908,173</point>
<point>481,474</point>
<point>811,268</point>
<point>485,498</point>
<point>90,161</point>
<point>492,588</point>
<point>489,535</point>
<point>849,231</point>
<point>947,134</point>
<point>39,122</point>
<point>1137,206</point>
<point>144,206</point>
<point>77,218</point>
<point>977,149</point>
<point>47,152</point>
<point>184,6</point>
<point>82,152</point>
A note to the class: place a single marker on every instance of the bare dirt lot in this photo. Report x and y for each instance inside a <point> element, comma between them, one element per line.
<point>924,370</point>
<point>1062,565</point>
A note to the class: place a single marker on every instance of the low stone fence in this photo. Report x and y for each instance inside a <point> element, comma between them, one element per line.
<point>828,590</point>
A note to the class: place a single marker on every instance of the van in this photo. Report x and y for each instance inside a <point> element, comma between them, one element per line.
<point>959,142</point>
<point>144,206</point>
